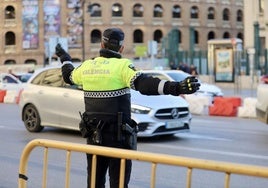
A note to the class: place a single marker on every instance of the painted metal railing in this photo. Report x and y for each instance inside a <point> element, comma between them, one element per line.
<point>153,158</point>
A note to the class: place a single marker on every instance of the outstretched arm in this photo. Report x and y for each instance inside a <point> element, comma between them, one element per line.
<point>67,66</point>
<point>154,86</point>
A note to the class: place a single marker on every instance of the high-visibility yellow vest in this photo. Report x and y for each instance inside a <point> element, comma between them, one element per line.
<point>104,74</point>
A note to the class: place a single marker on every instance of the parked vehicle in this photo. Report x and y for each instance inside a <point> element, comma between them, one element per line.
<point>9,82</point>
<point>262,102</point>
<point>24,77</point>
<point>178,75</point>
<point>48,101</point>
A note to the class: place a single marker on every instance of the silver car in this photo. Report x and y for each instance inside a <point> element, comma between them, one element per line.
<point>48,101</point>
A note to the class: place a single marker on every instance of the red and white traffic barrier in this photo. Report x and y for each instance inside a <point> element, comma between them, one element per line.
<point>2,95</point>
<point>11,96</point>
<point>248,110</point>
<point>198,104</point>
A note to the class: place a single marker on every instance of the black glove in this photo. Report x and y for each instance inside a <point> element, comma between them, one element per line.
<point>188,86</point>
<point>62,54</point>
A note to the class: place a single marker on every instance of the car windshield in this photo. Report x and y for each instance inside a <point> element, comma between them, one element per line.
<point>177,76</point>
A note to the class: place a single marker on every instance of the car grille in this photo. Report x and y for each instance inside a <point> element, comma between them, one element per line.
<point>172,113</point>
<point>163,129</point>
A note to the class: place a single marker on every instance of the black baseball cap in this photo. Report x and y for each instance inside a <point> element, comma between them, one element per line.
<point>113,38</point>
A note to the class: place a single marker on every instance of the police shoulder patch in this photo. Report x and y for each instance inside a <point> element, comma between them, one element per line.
<point>131,66</point>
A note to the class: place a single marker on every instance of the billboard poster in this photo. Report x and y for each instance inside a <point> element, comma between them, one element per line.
<point>51,18</point>
<point>30,27</point>
<point>224,65</point>
<point>75,23</point>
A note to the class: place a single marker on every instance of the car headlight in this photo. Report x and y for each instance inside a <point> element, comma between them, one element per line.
<point>139,109</point>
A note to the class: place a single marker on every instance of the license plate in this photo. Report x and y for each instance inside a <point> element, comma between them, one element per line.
<point>172,125</point>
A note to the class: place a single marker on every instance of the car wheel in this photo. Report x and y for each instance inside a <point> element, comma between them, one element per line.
<point>32,119</point>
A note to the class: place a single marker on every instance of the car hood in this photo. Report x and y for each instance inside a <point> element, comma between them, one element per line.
<point>208,88</point>
<point>157,101</point>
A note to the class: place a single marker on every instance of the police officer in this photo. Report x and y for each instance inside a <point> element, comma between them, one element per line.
<point>106,81</point>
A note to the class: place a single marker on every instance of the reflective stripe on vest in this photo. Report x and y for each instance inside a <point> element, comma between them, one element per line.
<point>107,94</point>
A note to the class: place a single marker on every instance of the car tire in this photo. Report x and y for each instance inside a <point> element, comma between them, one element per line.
<point>32,119</point>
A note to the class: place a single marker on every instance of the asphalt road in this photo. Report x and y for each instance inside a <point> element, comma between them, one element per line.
<point>227,139</point>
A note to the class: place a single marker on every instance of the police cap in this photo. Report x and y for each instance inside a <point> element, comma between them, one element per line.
<point>113,38</point>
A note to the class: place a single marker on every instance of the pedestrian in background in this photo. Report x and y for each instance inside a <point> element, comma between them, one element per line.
<point>193,70</point>
<point>184,67</point>
<point>106,81</point>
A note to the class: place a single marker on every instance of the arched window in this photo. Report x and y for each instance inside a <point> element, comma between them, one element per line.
<point>10,62</point>
<point>10,38</point>
<point>226,35</point>
<point>138,36</point>
<point>94,10</point>
<point>226,14</point>
<point>158,36</point>
<point>138,10</point>
<point>239,16</point>
<point>194,12</point>
<point>95,36</point>
<point>158,11</point>
<point>240,36</point>
<point>30,61</point>
<point>176,11</point>
<point>211,35</point>
<point>117,10</point>
<point>211,13</point>
<point>10,12</point>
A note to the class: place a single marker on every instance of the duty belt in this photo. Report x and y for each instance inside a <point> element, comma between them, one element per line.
<point>106,94</point>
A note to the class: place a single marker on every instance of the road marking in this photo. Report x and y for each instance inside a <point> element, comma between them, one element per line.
<point>190,135</point>
<point>9,128</point>
<point>227,153</point>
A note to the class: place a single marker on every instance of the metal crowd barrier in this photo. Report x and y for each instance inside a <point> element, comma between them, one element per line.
<point>153,158</point>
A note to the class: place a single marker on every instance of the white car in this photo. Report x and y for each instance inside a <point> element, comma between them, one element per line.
<point>262,102</point>
<point>178,75</point>
<point>9,82</point>
<point>48,101</point>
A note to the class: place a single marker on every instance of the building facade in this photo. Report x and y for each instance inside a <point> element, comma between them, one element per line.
<point>256,32</point>
<point>30,28</point>
<point>256,13</point>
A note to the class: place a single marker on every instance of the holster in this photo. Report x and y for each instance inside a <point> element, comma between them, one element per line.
<point>91,127</point>
<point>130,135</point>
<point>93,124</point>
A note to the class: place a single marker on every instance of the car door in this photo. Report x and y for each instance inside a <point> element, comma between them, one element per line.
<point>73,99</point>
<point>67,100</point>
<point>48,94</point>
